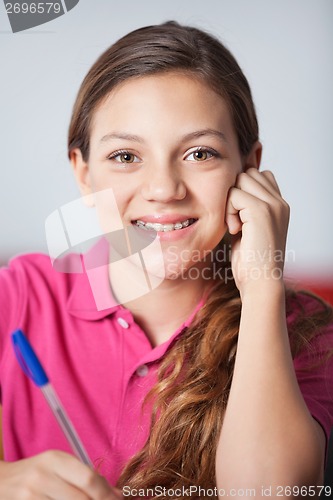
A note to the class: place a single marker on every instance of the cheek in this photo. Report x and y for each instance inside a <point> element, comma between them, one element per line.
<point>217,203</point>
<point>216,196</point>
<point>112,196</point>
<point>108,210</point>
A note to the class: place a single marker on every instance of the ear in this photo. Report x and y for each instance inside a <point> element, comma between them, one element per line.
<point>82,175</point>
<point>253,159</point>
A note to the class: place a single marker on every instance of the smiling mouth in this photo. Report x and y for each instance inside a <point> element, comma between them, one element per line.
<point>158,227</point>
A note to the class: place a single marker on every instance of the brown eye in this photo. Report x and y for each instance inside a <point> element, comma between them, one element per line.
<point>200,155</point>
<point>123,156</point>
<point>126,157</point>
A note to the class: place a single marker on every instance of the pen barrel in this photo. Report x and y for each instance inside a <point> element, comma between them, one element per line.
<point>65,424</point>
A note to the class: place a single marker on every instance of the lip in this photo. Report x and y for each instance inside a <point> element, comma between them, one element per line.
<point>165,218</point>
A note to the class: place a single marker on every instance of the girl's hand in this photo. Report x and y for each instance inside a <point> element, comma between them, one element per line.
<point>53,475</point>
<point>256,209</point>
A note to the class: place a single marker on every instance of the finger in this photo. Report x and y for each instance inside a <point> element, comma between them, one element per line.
<point>78,475</point>
<point>51,486</point>
<point>257,185</point>
<point>243,203</point>
<point>233,222</point>
<point>271,178</point>
<point>35,478</point>
<point>232,218</point>
<point>266,179</point>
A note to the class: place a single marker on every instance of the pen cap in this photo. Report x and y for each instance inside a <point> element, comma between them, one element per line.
<point>27,359</point>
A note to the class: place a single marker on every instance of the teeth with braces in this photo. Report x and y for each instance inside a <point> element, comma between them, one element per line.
<point>156,226</point>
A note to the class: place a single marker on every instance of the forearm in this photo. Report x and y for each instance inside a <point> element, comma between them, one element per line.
<point>268,433</point>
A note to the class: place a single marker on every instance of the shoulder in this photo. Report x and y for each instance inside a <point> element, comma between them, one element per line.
<point>24,263</point>
<point>40,267</point>
<point>308,315</point>
<point>28,283</point>
<point>304,302</point>
<point>15,276</point>
<point>31,270</point>
<point>310,326</point>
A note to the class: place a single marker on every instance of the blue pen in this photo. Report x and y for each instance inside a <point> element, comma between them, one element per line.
<point>31,366</point>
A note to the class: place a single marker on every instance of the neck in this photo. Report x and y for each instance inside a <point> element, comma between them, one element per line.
<point>162,310</point>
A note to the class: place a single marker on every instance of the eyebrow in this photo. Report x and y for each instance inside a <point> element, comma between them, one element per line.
<point>118,135</point>
<point>187,137</point>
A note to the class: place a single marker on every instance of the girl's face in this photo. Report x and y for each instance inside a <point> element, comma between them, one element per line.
<point>166,146</point>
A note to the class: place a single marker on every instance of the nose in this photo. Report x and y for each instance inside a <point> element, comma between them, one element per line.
<point>163,184</point>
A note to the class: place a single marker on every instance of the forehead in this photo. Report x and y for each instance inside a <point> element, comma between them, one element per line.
<point>168,100</point>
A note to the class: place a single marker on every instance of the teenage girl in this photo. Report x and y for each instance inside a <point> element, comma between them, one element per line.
<point>215,376</point>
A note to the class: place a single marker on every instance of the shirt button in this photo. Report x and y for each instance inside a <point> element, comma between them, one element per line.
<point>122,322</point>
<point>142,371</point>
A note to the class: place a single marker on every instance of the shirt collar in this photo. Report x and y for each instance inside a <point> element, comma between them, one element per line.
<point>85,304</point>
<point>159,351</point>
<point>91,296</point>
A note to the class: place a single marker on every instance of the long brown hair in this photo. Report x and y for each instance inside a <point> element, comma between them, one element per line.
<point>187,416</point>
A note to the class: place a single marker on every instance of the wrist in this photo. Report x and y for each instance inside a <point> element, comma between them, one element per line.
<point>263,310</point>
<point>264,288</point>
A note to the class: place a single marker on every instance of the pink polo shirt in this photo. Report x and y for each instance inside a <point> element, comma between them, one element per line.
<point>101,363</point>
